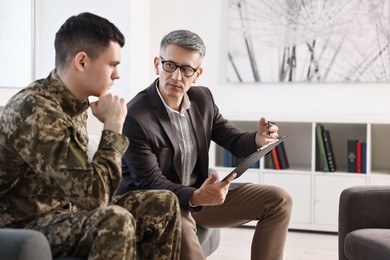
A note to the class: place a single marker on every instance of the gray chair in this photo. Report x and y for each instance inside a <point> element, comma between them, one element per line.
<point>23,244</point>
<point>364,223</point>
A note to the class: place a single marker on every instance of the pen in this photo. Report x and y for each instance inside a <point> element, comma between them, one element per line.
<point>269,123</point>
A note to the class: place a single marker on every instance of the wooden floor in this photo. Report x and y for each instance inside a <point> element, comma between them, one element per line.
<point>236,242</point>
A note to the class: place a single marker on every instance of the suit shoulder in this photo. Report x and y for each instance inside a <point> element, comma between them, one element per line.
<point>201,91</point>
<point>140,105</point>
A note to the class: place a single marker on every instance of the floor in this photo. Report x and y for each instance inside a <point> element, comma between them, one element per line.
<point>235,245</point>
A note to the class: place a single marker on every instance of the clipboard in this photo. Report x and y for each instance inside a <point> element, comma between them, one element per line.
<point>254,157</point>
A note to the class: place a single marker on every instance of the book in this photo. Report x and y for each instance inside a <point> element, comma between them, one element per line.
<point>364,157</point>
<point>256,165</point>
<point>322,161</point>
<point>227,158</point>
<point>329,150</point>
<point>359,157</point>
<point>282,156</point>
<point>275,159</point>
<point>351,155</point>
<point>268,161</point>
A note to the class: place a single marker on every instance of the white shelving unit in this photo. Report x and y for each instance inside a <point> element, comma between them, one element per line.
<point>316,194</point>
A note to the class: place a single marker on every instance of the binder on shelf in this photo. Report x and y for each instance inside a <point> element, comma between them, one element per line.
<point>227,158</point>
<point>351,150</point>
<point>275,159</point>
<point>256,165</point>
<point>268,161</point>
<point>359,157</point>
<point>329,150</point>
<point>282,156</point>
<point>321,159</point>
<point>364,157</point>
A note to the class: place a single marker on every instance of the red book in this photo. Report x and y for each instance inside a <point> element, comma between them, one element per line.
<point>359,157</point>
<point>275,159</point>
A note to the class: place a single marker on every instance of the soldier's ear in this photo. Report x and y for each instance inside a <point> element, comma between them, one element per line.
<point>80,61</point>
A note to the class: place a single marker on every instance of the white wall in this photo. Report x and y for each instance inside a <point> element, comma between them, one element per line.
<point>131,17</point>
<point>144,22</point>
<point>351,101</point>
<point>53,13</point>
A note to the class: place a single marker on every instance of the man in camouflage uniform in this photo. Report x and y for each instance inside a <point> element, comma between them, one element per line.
<point>46,181</point>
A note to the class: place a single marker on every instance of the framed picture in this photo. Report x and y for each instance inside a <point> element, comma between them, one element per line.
<point>309,41</point>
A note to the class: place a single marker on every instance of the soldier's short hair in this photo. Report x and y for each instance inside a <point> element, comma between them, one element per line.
<point>85,32</point>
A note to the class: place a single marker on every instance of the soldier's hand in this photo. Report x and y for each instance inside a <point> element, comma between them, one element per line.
<point>111,110</point>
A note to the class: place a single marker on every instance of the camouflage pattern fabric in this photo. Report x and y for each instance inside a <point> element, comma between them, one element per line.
<point>47,183</point>
<point>112,232</point>
<point>158,235</point>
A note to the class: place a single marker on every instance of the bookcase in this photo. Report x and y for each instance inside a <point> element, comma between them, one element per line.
<point>315,193</point>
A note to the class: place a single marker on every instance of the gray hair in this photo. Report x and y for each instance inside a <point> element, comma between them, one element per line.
<point>185,39</point>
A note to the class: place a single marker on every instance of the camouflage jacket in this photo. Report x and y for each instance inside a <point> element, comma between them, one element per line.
<point>43,155</point>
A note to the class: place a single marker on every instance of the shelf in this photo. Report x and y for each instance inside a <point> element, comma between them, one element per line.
<point>380,148</point>
<point>316,193</point>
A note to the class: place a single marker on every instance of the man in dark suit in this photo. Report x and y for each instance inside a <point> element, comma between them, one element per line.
<point>170,126</point>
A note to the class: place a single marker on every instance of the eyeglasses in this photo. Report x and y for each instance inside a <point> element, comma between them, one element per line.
<point>170,66</point>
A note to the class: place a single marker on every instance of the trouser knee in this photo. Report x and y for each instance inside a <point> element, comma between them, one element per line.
<point>164,201</point>
<point>109,234</point>
<point>284,201</point>
<point>114,221</point>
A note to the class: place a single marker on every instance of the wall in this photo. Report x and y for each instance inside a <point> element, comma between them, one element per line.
<point>304,101</point>
<point>130,17</point>
<point>144,22</point>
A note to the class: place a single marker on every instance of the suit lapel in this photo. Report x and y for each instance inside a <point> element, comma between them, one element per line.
<point>198,128</point>
<point>162,116</point>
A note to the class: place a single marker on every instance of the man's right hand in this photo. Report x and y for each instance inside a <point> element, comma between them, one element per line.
<point>111,110</point>
<point>211,193</point>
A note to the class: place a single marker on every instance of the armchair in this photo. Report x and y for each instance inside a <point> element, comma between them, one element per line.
<point>364,223</point>
<point>24,244</point>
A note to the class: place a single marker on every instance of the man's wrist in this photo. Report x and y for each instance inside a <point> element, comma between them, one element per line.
<point>192,206</point>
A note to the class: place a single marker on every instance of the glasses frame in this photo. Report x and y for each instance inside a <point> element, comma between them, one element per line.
<point>163,61</point>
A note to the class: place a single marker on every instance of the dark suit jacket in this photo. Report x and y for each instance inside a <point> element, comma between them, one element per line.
<point>153,158</point>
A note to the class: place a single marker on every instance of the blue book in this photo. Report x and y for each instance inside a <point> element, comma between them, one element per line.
<point>256,165</point>
<point>227,159</point>
<point>364,157</point>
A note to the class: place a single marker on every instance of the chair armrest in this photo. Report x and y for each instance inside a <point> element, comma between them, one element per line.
<point>23,244</point>
<point>209,239</point>
<point>362,207</point>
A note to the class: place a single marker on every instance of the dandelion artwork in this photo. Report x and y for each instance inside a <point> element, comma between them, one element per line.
<point>309,41</point>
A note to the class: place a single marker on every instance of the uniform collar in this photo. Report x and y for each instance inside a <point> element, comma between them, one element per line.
<point>69,103</point>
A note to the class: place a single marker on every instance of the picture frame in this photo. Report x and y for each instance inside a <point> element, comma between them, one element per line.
<point>309,41</point>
